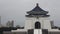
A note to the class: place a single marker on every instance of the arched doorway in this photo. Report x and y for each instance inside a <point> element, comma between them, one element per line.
<point>37,25</point>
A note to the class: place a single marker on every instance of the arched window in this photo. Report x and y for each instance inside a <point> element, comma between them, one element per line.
<point>37,25</point>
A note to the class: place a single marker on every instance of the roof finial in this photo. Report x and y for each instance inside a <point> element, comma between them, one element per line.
<point>37,4</point>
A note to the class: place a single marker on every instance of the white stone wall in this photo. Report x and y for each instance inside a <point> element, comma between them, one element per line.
<point>19,30</point>
<point>46,24</point>
<point>44,21</point>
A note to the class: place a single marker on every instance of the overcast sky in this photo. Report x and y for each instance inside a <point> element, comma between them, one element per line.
<point>16,10</point>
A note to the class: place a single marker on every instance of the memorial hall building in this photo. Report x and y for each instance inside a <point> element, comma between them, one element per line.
<point>37,21</point>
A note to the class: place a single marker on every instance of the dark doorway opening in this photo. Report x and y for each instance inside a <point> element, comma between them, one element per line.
<point>37,25</point>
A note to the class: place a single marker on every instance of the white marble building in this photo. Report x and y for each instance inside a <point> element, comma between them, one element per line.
<point>39,22</point>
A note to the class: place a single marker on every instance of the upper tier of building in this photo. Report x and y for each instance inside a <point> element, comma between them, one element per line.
<point>37,11</point>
